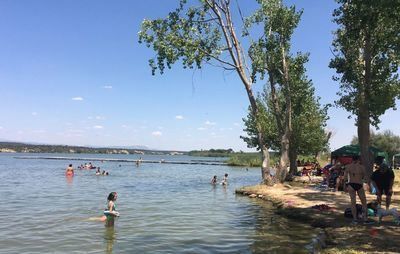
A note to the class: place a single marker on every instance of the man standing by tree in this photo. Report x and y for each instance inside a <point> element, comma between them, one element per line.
<point>354,176</point>
<point>383,179</point>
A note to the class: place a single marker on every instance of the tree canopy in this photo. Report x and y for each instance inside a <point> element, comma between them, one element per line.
<point>367,57</point>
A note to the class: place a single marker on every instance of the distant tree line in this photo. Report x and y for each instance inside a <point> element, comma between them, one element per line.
<point>212,153</point>
<point>32,148</point>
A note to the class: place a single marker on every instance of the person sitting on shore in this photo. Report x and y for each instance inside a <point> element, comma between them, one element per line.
<point>354,175</point>
<point>214,180</point>
<point>380,212</point>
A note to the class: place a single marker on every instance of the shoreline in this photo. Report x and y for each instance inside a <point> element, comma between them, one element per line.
<point>295,200</point>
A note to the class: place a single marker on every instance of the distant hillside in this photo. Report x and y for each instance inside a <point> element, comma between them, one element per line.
<point>15,147</point>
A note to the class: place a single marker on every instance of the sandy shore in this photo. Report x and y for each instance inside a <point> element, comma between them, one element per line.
<point>296,199</point>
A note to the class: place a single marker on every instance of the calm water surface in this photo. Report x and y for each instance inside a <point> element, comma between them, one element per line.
<point>165,208</point>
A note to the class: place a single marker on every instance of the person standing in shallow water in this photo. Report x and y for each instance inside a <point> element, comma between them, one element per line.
<point>110,211</point>
<point>354,176</point>
<point>214,180</point>
<point>225,179</point>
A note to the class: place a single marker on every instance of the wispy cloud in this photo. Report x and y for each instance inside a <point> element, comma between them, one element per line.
<point>96,117</point>
<point>124,126</point>
<point>179,117</point>
<point>1,128</point>
<point>210,123</point>
<point>107,87</point>
<point>34,113</point>
<point>236,124</point>
<point>39,131</point>
<point>98,127</point>
<point>156,133</point>
<point>77,99</point>
<point>201,128</point>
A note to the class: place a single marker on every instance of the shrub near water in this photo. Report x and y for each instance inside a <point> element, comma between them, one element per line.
<point>248,160</point>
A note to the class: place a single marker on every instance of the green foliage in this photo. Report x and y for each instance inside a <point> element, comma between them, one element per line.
<point>308,122</point>
<point>367,55</point>
<point>186,34</point>
<point>386,141</point>
<point>278,23</point>
<point>212,153</point>
<point>249,159</point>
<point>269,55</point>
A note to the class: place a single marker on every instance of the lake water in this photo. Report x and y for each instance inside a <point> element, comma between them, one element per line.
<point>165,208</point>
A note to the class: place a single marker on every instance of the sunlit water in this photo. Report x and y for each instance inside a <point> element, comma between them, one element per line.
<point>165,208</point>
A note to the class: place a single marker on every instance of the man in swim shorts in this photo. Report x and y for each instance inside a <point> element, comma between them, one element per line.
<point>382,179</point>
<point>354,175</point>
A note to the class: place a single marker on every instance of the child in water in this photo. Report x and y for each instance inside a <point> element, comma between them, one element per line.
<point>214,180</point>
<point>225,180</point>
<point>110,211</point>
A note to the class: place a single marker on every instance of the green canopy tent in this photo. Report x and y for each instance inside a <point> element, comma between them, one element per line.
<point>353,150</point>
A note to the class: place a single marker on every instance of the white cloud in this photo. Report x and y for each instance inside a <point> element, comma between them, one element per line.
<point>124,126</point>
<point>209,123</point>
<point>107,87</point>
<point>98,127</point>
<point>201,128</point>
<point>39,131</point>
<point>236,124</point>
<point>96,117</point>
<point>77,99</point>
<point>179,117</point>
<point>34,113</point>
<point>1,127</point>
<point>156,133</point>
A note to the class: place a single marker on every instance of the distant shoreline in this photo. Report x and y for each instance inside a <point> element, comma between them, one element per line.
<point>15,147</point>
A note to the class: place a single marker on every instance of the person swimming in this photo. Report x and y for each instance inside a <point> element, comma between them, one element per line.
<point>69,171</point>
<point>214,180</point>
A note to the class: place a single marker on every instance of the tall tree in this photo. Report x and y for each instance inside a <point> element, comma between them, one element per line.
<point>308,119</point>
<point>272,58</point>
<point>367,55</point>
<point>203,34</point>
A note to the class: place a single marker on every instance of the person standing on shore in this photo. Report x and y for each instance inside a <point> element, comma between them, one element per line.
<point>354,176</point>
<point>382,179</point>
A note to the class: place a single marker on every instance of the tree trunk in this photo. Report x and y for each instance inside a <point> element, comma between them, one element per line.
<point>285,140</point>
<point>363,137</point>
<point>265,172</point>
<point>363,120</point>
<point>292,162</point>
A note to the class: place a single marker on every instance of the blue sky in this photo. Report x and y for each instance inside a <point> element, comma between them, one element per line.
<point>73,72</point>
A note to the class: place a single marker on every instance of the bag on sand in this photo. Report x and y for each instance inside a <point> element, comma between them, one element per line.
<point>348,214</point>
